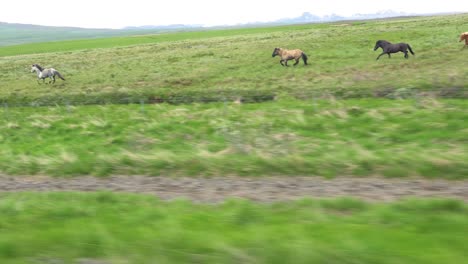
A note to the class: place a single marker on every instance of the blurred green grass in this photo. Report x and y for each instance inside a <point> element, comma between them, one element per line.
<point>124,228</point>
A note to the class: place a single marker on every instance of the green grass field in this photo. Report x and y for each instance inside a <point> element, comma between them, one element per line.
<point>403,123</point>
<point>216,103</point>
<point>359,137</point>
<point>214,65</point>
<point>119,228</point>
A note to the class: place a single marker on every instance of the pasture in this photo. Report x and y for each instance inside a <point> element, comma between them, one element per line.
<point>224,65</point>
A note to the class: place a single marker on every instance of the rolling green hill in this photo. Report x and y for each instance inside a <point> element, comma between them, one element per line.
<point>15,34</point>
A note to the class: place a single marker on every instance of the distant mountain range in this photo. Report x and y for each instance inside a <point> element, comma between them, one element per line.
<point>306,17</point>
<point>163,27</point>
<point>311,18</point>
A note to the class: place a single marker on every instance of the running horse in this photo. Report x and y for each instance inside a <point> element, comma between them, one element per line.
<point>464,36</point>
<point>388,48</point>
<point>45,73</point>
<point>286,55</point>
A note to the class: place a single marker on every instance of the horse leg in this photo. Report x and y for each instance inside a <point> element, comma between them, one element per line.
<point>297,62</point>
<point>378,57</point>
<point>53,79</point>
<point>389,56</point>
<point>406,54</point>
<point>281,62</point>
<point>286,63</point>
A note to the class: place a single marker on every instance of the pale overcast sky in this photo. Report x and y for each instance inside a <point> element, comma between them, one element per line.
<point>119,13</point>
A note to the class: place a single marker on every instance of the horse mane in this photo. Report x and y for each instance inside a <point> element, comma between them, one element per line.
<point>38,67</point>
<point>383,41</point>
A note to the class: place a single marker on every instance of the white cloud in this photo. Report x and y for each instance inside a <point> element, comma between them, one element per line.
<point>118,13</point>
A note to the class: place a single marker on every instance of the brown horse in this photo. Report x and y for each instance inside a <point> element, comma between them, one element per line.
<point>286,55</point>
<point>464,36</point>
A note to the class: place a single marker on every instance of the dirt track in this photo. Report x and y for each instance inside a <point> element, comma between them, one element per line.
<point>264,189</point>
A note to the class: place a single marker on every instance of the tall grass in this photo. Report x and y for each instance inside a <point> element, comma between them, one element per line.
<point>359,137</point>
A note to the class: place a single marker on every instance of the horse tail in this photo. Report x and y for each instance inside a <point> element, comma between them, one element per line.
<point>409,47</point>
<point>304,58</point>
<point>59,75</point>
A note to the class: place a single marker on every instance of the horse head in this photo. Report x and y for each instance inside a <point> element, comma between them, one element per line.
<point>377,44</point>
<point>275,52</point>
<point>36,67</point>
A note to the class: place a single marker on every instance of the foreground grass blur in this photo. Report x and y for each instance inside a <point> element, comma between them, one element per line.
<point>119,228</point>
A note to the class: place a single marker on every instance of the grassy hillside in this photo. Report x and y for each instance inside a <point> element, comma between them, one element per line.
<point>213,65</point>
<point>118,228</point>
<point>393,138</point>
<point>16,34</point>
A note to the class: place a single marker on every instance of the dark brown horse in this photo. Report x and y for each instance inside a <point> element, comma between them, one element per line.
<point>464,36</point>
<point>388,48</point>
<point>286,55</point>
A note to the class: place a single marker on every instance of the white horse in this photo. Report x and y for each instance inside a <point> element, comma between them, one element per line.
<point>45,73</point>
